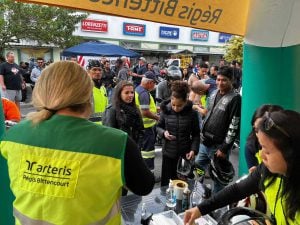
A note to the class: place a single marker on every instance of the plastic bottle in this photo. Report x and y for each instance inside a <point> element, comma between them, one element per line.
<point>196,196</point>
<point>170,196</point>
<point>186,199</point>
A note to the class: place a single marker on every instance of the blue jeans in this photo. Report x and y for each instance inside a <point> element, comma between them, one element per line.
<point>203,160</point>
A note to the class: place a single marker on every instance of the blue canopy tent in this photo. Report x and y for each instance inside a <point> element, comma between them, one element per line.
<point>99,48</point>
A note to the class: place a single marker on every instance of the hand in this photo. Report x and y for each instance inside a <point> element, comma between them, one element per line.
<point>190,155</point>
<point>190,216</point>
<point>252,169</point>
<point>3,88</point>
<point>219,153</point>
<point>168,136</point>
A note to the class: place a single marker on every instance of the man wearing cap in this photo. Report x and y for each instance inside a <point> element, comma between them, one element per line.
<point>139,71</point>
<point>148,110</point>
<point>100,100</point>
<point>222,122</point>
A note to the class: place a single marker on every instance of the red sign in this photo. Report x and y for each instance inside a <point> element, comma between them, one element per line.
<point>134,29</point>
<point>94,25</point>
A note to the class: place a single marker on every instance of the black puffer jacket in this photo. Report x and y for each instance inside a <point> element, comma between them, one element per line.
<point>184,125</point>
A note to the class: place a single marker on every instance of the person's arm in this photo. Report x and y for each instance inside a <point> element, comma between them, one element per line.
<point>160,127</point>
<point>234,125</point>
<point>2,82</point>
<point>195,133</point>
<point>12,112</point>
<point>33,75</point>
<point>230,194</point>
<point>144,98</point>
<point>138,178</point>
<point>3,86</point>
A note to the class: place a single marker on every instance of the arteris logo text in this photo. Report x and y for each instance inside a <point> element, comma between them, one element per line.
<point>36,167</point>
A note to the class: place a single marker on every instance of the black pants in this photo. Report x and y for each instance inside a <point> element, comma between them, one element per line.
<point>168,170</point>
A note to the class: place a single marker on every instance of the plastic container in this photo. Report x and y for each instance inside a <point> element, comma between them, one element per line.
<point>204,220</point>
<point>166,218</point>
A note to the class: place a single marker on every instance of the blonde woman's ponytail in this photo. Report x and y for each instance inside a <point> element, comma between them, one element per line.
<point>61,85</point>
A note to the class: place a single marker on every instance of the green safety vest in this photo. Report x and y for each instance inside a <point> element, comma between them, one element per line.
<point>274,199</point>
<point>65,170</point>
<point>152,107</point>
<point>100,102</point>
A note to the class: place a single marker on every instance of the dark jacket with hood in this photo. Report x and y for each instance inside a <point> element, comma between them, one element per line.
<point>184,125</point>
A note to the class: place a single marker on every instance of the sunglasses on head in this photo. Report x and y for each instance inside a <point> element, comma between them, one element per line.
<point>269,124</point>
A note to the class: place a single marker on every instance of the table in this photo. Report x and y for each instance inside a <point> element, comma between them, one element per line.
<point>155,202</point>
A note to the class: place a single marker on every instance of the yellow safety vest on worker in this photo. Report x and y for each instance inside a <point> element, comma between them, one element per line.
<point>58,179</point>
<point>152,107</point>
<point>277,204</point>
<point>100,102</point>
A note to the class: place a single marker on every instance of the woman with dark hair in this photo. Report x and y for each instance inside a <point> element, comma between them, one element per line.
<point>252,146</point>
<point>179,128</point>
<point>123,113</point>
<point>277,176</point>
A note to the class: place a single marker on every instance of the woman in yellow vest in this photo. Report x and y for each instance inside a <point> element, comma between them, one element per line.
<point>277,176</point>
<point>100,99</point>
<point>63,168</point>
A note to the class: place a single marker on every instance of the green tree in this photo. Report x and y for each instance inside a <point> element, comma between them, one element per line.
<point>234,49</point>
<point>44,24</point>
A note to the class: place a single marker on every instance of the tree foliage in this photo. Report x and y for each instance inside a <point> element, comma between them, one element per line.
<point>234,49</point>
<point>44,24</point>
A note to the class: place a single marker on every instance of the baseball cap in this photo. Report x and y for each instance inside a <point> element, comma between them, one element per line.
<point>150,75</point>
<point>143,59</point>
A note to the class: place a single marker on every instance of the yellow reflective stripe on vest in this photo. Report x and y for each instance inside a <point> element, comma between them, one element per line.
<point>100,99</point>
<point>152,107</point>
<point>148,154</point>
<point>276,203</point>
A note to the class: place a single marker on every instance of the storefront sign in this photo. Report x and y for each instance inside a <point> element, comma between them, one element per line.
<point>169,32</point>
<point>223,38</point>
<point>94,25</point>
<point>199,35</point>
<point>134,29</point>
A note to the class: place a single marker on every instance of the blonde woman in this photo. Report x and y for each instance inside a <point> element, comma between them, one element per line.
<point>63,168</point>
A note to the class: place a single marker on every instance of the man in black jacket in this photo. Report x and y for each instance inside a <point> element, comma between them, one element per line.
<point>221,125</point>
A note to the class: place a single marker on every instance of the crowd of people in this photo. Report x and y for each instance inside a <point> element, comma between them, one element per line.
<point>195,112</point>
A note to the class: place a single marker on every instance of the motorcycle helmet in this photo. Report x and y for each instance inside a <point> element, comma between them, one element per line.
<point>173,73</point>
<point>245,216</point>
<point>221,170</point>
<point>184,169</point>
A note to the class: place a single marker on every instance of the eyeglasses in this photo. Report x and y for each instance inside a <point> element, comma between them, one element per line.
<point>269,124</point>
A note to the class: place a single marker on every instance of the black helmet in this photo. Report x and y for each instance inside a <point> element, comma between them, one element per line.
<point>93,63</point>
<point>242,216</point>
<point>184,169</point>
<point>221,170</point>
<point>173,73</point>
